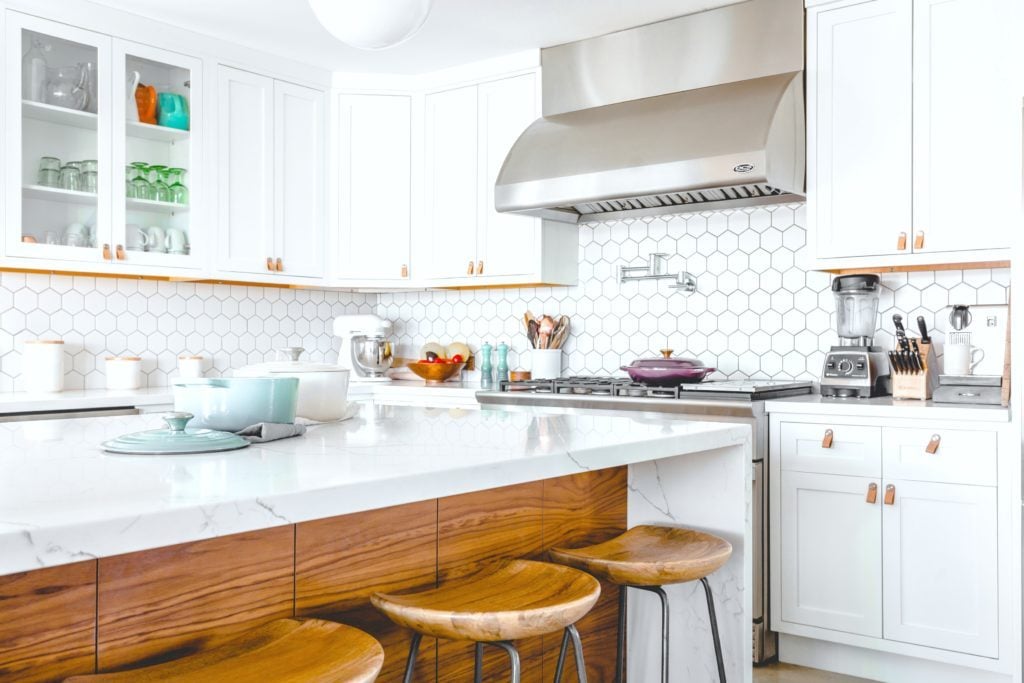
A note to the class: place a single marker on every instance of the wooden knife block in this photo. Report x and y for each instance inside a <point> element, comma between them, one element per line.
<point>921,385</point>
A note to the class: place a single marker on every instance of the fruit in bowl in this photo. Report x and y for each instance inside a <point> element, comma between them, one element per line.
<point>435,369</point>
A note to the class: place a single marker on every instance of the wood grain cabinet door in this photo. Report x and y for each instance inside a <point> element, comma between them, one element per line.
<point>940,567</point>
<point>831,553</point>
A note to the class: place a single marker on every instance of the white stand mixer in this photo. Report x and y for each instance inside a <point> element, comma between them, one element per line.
<point>365,348</point>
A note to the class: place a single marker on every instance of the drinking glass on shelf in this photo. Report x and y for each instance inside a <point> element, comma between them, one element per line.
<point>89,181</point>
<point>49,171</point>
<point>129,176</point>
<point>179,193</point>
<point>74,164</point>
<point>143,190</point>
<point>51,237</point>
<point>70,178</point>
<point>161,190</point>
<point>89,165</point>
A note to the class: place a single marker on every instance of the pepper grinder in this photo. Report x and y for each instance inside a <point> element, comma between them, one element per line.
<point>486,371</point>
<point>502,362</point>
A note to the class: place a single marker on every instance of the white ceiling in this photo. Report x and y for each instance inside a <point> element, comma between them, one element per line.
<point>457,31</point>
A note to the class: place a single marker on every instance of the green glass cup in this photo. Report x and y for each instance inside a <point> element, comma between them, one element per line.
<point>179,192</point>
<point>158,179</point>
<point>143,190</point>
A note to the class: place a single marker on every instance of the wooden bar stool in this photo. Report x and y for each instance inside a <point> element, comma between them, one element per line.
<point>283,651</point>
<point>503,602</point>
<point>649,557</point>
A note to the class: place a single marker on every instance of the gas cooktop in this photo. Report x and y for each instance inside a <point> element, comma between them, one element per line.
<point>623,387</point>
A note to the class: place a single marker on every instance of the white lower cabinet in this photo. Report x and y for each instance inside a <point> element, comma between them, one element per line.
<point>939,572</point>
<point>832,559</point>
<point>908,553</point>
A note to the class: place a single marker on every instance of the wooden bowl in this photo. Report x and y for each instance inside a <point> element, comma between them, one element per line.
<point>435,373</point>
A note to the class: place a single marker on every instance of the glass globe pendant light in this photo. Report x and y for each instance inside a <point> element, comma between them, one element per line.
<point>371,24</point>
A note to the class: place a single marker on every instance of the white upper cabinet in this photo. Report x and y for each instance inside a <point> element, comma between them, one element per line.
<point>447,242</point>
<point>967,123</point>
<point>246,182</point>
<point>859,127</point>
<point>271,177</point>
<point>374,183</point>
<point>299,180</point>
<point>914,131</point>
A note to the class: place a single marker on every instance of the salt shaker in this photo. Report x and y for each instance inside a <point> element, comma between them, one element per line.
<point>486,371</point>
<point>502,362</point>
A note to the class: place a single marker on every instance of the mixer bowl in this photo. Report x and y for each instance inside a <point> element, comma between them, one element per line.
<point>372,356</point>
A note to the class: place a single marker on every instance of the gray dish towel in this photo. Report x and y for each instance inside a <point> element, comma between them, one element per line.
<point>270,431</point>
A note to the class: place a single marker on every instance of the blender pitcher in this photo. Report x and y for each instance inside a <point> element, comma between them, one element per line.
<point>856,308</point>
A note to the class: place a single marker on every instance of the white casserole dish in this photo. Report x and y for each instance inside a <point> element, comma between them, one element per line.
<point>323,388</point>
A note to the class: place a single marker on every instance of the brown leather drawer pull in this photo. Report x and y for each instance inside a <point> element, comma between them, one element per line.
<point>933,444</point>
<point>872,496</point>
<point>826,441</point>
<point>901,242</point>
<point>890,495</point>
<point>919,241</point>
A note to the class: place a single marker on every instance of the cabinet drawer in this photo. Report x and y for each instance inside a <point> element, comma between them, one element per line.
<point>960,457</point>
<point>828,448</point>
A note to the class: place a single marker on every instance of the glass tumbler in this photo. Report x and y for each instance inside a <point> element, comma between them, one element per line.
<point>129,176</point>
<point>143,190</point>
<point>179,192</point>
<point>89,165</point>
<point>89,181</point>
<point>70,178</point>
<point>49,172</point>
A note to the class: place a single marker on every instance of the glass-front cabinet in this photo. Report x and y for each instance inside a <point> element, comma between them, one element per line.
<point>103,166</point>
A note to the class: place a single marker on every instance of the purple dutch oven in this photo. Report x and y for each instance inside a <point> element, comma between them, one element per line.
<point>667,371</point>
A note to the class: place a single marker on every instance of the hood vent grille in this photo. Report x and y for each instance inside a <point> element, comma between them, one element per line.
<point>676,201</point>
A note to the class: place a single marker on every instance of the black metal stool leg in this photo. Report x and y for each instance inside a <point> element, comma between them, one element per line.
<point>714,630</point>
<point>513,657</point>
<point>657,590</point>
<point>620,644</point>
<point>478,662</point>
<point>410,664</point>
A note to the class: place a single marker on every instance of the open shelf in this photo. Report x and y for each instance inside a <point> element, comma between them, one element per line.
<point>147,131</point>
<point>155,206</point>
<point>56,194</point>
<point>59,115</point>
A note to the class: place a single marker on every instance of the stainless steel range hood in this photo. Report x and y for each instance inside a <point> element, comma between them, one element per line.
<point>696,113</point>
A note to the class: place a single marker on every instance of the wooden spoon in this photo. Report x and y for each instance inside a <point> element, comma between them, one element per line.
<point>544,330</point>
<point>531,332</point>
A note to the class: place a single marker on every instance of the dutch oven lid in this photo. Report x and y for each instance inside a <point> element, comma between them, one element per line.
<point>175,440</point>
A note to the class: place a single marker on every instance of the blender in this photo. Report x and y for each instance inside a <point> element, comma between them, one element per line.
<point>856,368</point>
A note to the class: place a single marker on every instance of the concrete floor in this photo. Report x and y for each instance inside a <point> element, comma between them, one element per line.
<point>787,673</point>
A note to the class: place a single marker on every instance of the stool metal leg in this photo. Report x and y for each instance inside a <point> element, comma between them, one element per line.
<point>478,663</point>
<point>657,590</point>
<point>513,657</point>
<point>410,665</point>
<point>570,633</point>
<point>714,630</point>
<point>620,644</point>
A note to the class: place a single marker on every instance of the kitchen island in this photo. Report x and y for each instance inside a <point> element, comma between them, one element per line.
<point>113,561</point>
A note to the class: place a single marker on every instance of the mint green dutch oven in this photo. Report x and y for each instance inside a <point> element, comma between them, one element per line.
<point>232,404</point>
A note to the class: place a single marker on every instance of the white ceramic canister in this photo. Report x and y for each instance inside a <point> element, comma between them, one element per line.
<point>42,365</point>
<point>124,372</point>
<point>190,367</point>
<point>547,363</point>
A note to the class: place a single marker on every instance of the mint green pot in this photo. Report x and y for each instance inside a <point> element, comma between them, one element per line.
<point>232,404</point>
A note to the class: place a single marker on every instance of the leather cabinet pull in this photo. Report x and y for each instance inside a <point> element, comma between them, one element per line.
<point>872,496</point>
<point>933,444</point>
<point>826,441</point>
<point>890,495</point>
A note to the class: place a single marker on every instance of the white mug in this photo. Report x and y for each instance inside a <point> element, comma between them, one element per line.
<point>177,241</point>
<point>135,238</point>
<point>961,359</point>
<point>157,239</point>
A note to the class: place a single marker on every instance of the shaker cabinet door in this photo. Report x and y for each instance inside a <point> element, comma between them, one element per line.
<point>831,552</point>
<point>246,171</point>
<point>859,128</point>
<point>940,570</point>
<point>967,124</point>
<point>375,171</point>
<point>299,145</point>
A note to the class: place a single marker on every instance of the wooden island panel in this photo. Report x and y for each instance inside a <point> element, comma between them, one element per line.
<point>579,510</point>
<point>341,561</point>
<point>476,528</point>
<point>48,629</point>
<point>161,604</point>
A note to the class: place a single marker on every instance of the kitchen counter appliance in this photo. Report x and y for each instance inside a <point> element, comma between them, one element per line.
<point>365,347</point>
<point>739,401</point>
<point>856,368</point>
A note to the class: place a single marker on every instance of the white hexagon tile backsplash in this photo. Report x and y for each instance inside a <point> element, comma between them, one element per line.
<point>756,312</point>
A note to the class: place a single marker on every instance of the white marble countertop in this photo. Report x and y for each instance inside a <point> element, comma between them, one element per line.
<point>62,499</point>
<point>886,406</point>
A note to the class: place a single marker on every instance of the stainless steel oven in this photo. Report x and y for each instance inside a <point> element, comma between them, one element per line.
<point>726,401</point>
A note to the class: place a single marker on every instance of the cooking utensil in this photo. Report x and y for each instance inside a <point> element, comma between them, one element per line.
<point>531,332</point>
<point>960,317</point>
<point>175,440</point>
<point>901,333</point>
<point>323,388</point>
<point>666,371</point>
<point>231,404</point>
<point>922,327</point>
<point>560,333</point>
<point>545,327</point>
<point>435,373</point>
<point>915,356</point>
